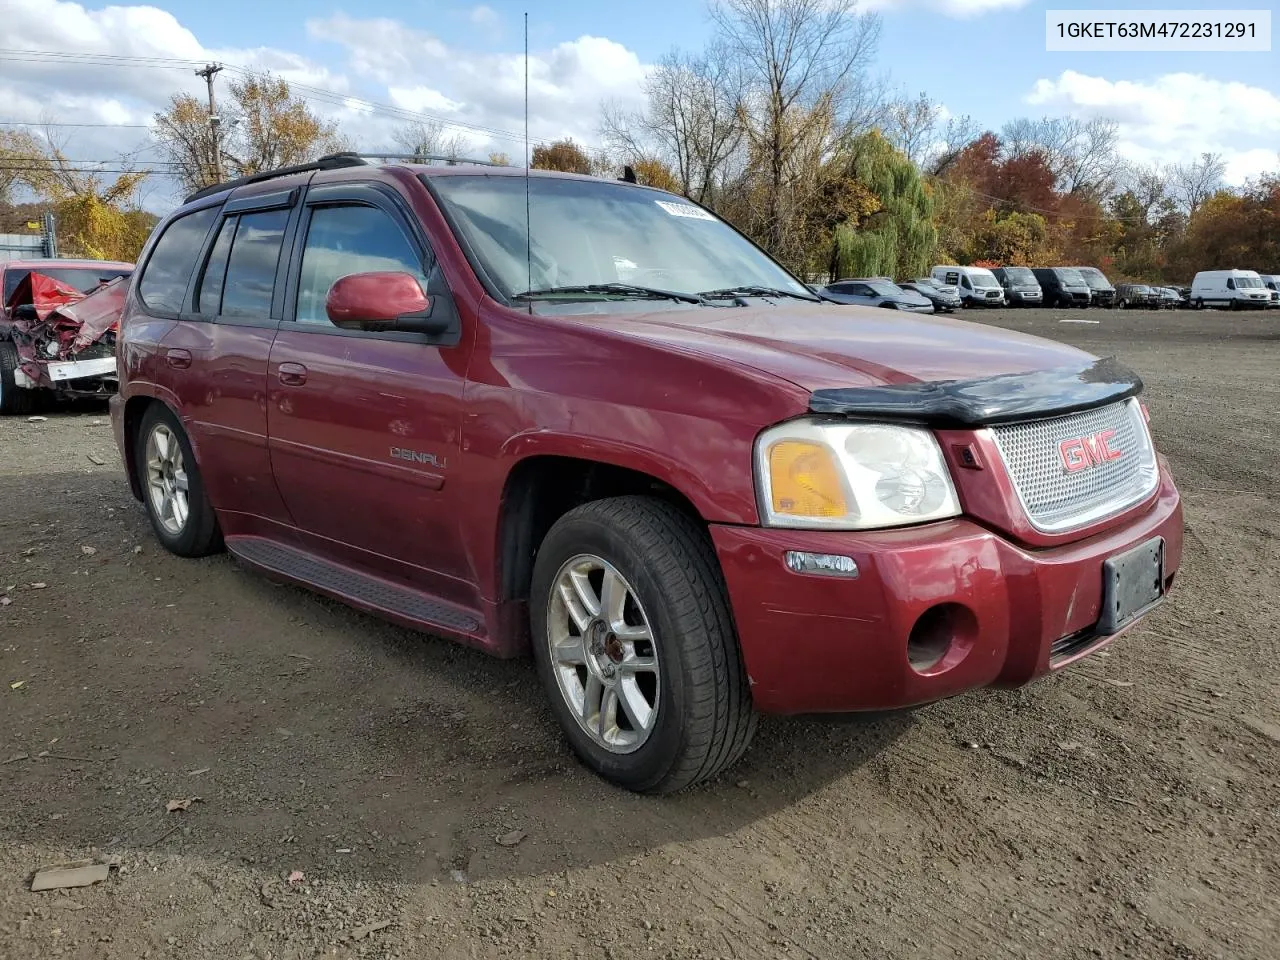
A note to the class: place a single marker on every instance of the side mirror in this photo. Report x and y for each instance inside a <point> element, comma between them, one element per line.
<point>384,300</point>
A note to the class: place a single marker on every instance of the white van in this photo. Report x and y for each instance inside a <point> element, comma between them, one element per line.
<point>1272,282</point>
<point>1234,289</point>
<point>978,286</point>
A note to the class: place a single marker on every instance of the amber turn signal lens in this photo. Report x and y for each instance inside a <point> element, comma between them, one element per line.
<point>805,480</point>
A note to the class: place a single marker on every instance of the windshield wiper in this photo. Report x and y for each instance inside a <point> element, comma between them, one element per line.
<point>751,290</point>
<point>613,289</point>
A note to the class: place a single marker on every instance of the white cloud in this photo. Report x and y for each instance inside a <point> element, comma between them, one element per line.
<point>377,60</point>
<point>422,99</point>
<point>1174,117</point>
<point>483,16</point>
<point>958,9</point>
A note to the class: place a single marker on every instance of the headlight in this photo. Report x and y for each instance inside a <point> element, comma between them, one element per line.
<point>851,476</point>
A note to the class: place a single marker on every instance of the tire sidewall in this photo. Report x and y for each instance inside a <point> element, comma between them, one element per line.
<point>644,768</point>
<point>186,542</point>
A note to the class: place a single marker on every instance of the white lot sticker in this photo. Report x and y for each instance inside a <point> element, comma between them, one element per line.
<point>684,210</point>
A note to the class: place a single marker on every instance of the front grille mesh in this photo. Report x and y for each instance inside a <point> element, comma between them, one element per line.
<point>1057,499</point>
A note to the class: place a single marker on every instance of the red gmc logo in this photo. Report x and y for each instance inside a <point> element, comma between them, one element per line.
<point>1080,453</point>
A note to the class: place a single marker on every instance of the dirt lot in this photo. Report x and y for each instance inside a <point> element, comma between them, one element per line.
<point>1129,807</point>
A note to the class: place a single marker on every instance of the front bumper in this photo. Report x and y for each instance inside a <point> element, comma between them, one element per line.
<point>828,644</point>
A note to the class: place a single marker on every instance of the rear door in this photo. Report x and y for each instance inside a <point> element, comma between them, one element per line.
<point>365,425</point>
<point>217,355</point>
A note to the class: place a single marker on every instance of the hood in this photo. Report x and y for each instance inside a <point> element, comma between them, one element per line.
<point>818,347</point>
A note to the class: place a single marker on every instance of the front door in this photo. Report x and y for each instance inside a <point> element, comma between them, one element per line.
<point>364,427</point>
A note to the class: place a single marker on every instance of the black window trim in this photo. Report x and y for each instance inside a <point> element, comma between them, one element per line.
<point>141,271</point>
<point>380,197</point>
<point>246,205</point>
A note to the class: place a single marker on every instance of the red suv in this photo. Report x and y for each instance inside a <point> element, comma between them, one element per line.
<point>628,440</point>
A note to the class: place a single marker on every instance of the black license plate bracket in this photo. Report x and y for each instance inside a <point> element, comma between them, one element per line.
<point>1132,583</point>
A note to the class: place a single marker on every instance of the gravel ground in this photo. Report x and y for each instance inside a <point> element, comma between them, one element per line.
<point>1128,807</point>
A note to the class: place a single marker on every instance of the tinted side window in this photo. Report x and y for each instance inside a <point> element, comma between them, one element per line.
<point>343,240</point>
<point>1231,284</point>
<point>164,280</point>
<point>209,299</point>
<point>251,269</point>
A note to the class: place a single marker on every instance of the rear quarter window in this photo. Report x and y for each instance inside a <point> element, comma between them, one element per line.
<point>163,283</point>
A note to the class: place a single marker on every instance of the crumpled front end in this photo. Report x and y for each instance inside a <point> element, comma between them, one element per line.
<point>66,339</point>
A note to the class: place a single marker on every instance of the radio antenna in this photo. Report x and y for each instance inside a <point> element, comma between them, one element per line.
<point>528,225</point>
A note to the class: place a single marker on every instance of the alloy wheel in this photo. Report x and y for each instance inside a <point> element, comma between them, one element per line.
<point>167,485</point>
<point>603,653</point>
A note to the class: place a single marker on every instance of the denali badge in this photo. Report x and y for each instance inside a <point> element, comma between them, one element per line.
<point>1080,453</point>
<point>417,456</point>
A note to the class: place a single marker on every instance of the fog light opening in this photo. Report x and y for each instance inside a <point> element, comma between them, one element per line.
<point>940,638</point>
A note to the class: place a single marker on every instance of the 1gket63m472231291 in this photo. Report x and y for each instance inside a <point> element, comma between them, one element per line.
<point>629,441</point>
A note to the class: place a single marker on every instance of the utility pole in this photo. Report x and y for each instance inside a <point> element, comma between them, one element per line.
<point>215,122</point>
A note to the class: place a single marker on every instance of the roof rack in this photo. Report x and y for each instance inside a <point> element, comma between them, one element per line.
<point>333,161</point>
<point>427,157</point>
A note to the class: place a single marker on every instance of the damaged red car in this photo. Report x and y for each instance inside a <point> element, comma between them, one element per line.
<point>58,322</point>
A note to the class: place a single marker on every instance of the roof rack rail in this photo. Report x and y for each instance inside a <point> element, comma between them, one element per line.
<point>427,157</point>
<point>334,161</point>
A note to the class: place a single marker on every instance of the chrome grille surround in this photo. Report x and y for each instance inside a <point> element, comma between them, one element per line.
<point>1057,500</point>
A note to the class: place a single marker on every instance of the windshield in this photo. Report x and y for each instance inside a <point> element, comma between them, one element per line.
<point>1141,288</point>
<point>929,282</point>
<point>1248,282</point>
<point>1071,277</point>
<point>882,288</point>
<point>1019,275</point>
<point>589,232</point>
<point>84,279</point>
<point>1094,278</point>
<point>983,278</point>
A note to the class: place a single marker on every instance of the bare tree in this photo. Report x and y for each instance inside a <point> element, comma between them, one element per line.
<point>691,123</point>
<point>803,61</point>
<point>1150,188</point>
<point>1193,183</point>
<point>912,126</point>
<point>954,137</point>
<point>1081,154</point>
<point>264,127</point>
<point>429,138</point>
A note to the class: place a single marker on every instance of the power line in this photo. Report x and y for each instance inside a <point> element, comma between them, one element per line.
<point>44,123</point>
<point>318,94</point>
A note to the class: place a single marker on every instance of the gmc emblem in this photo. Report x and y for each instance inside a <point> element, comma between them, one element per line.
<point>1080,453</point>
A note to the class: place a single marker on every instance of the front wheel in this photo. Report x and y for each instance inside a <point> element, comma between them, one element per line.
<point>13,398</point>
<point>1199,304</point>
<point>172,488</point>
<point>635,645</point>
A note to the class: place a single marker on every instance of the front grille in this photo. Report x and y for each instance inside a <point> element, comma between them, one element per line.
<point>1056,498</point>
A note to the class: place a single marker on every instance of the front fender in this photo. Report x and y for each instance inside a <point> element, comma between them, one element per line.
<point>725,495</point>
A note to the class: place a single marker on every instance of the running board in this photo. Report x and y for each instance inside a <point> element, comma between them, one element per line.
<point>356,589</point>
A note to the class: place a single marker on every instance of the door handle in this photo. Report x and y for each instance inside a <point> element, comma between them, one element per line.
<point>177,357</point>
<point>292,374</point>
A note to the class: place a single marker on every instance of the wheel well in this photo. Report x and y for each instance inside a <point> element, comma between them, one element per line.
<point>540,490</point>
<point>134,409</point>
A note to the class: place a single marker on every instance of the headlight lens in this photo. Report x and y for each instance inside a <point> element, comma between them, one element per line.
<point>851,476</point>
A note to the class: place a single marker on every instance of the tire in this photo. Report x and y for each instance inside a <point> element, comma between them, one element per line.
<point>14,400</point>
<point>1199,304</point>
<point>188,532</point>
<point>702,718</point>
<point>1124,304</point>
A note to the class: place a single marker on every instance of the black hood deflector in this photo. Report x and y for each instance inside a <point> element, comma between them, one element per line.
<point>987,400</point>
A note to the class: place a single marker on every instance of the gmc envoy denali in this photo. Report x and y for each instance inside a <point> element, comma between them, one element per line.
<point>630,442</point>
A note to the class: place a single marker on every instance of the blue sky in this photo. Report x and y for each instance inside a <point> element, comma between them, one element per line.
<point>461,61</point>
<point>998,54</point>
